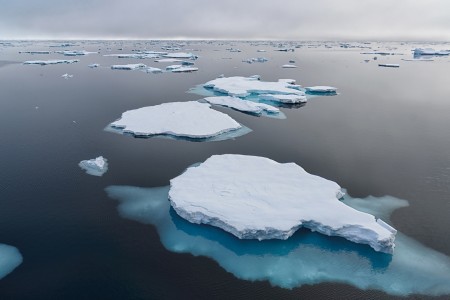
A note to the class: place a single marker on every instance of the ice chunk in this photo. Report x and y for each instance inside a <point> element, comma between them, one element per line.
<point>321,90</point>
<point>289,99</point>
<point>184,70</point>
<point>289,66</point>
<point>304,259</point>
<point>66,76</point>
<point>94,65</point>
<point>50,62</point>
<point>430,51</point>
<point>389,65</point>
<point>255,59</point>
<point>172,67</point>
<point>168,60</point>
<point>10,258</point>
<point>96,166</point>
<point>129,67</point>
<point>35,52</point>
<point>242,105</point>
<point>244,86</point>
<point>153,70</point>
<point>181,55</point>
<point>268,200</point>
<point>74,52</point>
<point>190,119</point>
<point>134,55</point>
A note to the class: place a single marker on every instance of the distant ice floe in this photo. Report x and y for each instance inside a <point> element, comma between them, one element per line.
<point>181,55</point>
<point>34,52</point>
<point>289,66</point>
<point>268,200</point>
<point>94,66</point>
<point>129,67</point>
<point>389,65</point>
<point>75,52</point>
<point>184,70</point>
<point>243,105</point>
<point>66,76</point>
<point>255,60</point>
<point>320,89</point>
<point>430,51</point>
<point>288,99</point>
<point>96,166</point>
<point>168,60</point>
<point>190,120</point>
<point>50,62</point>
<point>134,55</point>
<point>305,258</point>
<point>10,258</point>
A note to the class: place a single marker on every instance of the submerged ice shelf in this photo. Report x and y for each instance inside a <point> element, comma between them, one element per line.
<point>305,258</point>
<point>257,198</point>
<point>190,119</point>
<point>10,258</point>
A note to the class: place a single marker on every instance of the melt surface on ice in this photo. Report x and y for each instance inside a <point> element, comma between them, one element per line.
<point>10,258</point>
<point>257,198</point>
<point>96,166</point>
<point>242,105</point>
<point>190,119</point>
<point>244,86</point>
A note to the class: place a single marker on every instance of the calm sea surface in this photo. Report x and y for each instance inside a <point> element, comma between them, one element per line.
<point>387,132</point>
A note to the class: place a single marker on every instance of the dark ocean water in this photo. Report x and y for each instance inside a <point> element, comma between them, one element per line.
<point>385,133</point>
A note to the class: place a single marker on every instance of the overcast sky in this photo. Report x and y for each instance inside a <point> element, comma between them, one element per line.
<point>226,19</point>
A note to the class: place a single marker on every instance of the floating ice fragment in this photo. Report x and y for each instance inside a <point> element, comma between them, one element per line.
<point>289,66</point>
<point>321,90</point>
<point>35,52</point>
<point>168,60</point>
<point>172,67</point>
<point>184,70</point>
<point>430,51</point>
<point>96,166</point>
<point>50,62</point>
<point>389,65</point>
<point>129,67</point>
<point>181,55</point>
<point>134,55</point>
<point>153,70</point>
<point>192,119</point>
<point>289,99</point>
<point>66,76</point>
<point>10,258</point>
<point>74,52</point>
<point>94,65</point>
<point>242,105</point>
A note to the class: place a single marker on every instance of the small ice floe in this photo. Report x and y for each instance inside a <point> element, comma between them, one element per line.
<point>184,70</point>
<point>192,120</point>
<point>382,53</point>
<point>129,67</point>
<point>152,70</point>
<point>94,66</point>
<point>270,200</point>
<point>289,66</point>
<point>233,50</point>
<point>292,61</point>
<point>417,59</point>
<point>63,45</point>
<point>245,86</point>
<point>66,76</point>
<point>288,81</point>
<point>260,50</point>
<point>168,60</point>
<point>181,55</point>
<point>430,51</point>
<point>320,90</point>
<point>242,105</point>
<point>172,67</point>
<point>96,166</point>
<point>74,52</point>
<point>50,62</point>
<point>35,52</point>
<point>288,99</point>
<point>255,59</point>
<point>10,258</point>
<point>285,49</point>
<point>389,65</point>
<point>134,55</point>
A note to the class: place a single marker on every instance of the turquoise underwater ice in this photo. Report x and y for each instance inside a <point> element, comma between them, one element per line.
<point>305,258</point>
<point>10,258</point>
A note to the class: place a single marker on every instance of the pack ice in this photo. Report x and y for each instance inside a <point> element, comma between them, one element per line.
<point>257,198</point>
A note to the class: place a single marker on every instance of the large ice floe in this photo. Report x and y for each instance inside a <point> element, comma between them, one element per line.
<point>257,198</point>
<point>96,166</point>
<point>50,62</point>
<point>430,51</point>
<point>10,258</point>
<point>243,105</point>
<point>245,86</point>
<point>191,120</point>
<point>305,258</point>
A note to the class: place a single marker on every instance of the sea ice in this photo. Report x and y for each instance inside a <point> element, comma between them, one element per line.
<point>96,166</point>
<point>190,119</point>
<point>257,198</point>
<point>430,51</point>
<point>134,55</point>
<point>172,67</point>
<point>289,66</point>
<point>35,52</point>
<point>304,259</point>
<point>74,52</point>
<point>244,86</point>
<point>181,55</point>
<point>10,258</point>
<point>50,62</point>
<point>94,65</point>
<point>389,65</point>
<point>242,105</point>
<point>288,99</point>
<point>66,76</point>
<point>153,70</point>
<point>321,90</point>
<point>128,67</point>
<point>184,70</point>
<point>168,60</point>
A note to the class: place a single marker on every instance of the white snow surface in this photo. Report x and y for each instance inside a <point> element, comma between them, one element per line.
<point>289,99</point>
<point>257,198</point>
<point>190,119</point>
<point>96,166</point>
<point>242,105</point>
<point>244,86</point>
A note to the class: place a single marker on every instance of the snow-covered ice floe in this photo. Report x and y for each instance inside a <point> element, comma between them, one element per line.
<point>134,55</point>
<point>10,258</point>
<point>306,258</point>
<point>430,51</point>
<point>191,120</point>
<point>245,86</point>
<point>288,99</point>
<point>257,198</point>
<point>184,69</point>
<point>243,105</point>
<point>50,62</point>
<point>181,55</point>
<point>75,52</point>
<point>321,90</point>
<point>129,67</point>
<point>96,166</point>
<point>389,65</point>
<point>289,66</point>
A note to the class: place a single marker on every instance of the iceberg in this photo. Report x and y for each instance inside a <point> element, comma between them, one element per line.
<point>153,70</point>
<point>50,62</point>
<point>257,198</point>
<point>245,86</point>
<point>172,67</point>
<point>243,105</point>
<point>96,166</point>
<point>321,90</point>
<point>35,52</point>
<point>10,258</point>
<point>389,65</point>
<point>304,259</point>
<point>255,59</point>
<point>192,120</point>
<point>129,67</point>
